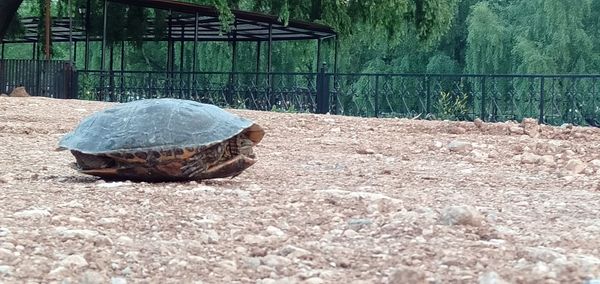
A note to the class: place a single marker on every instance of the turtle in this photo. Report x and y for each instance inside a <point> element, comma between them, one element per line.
<point>163,139</point>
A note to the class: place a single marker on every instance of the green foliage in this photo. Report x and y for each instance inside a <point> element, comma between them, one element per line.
<point>452,106</point>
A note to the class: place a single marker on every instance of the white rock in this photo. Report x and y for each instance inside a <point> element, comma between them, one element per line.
<point>313,280</point>
<point>76,220</point>
<point>292,252</point>
<point>124,240</point>
<point>6,255</point>
<point>57,273</point>
<point>33,213</point>
<point>107,221</point>
<point>461,215</point>
<point>530,158</point>
<point>255,239</point>
<point>491,277</point>
<point>5,270</point>
<point>460,146</point>
<point>113,184</point>
<point>74,260</point>
<point>228,265</point>
<point>272,260</point>
<point>274,231</point>
<point>76,233</point>
<point>543,254</point>
<point>118,280</point>
<point>4,232</point>
<point>575,166</point>
<point>405,275</point>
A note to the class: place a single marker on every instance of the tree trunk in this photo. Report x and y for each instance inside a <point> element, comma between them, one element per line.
<point>8,9</point>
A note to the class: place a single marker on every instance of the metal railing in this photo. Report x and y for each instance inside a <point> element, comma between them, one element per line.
<point>39,77</point>
<point>552,99</point>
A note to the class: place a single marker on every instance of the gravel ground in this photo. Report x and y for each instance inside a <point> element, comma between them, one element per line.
<point>332,199</point>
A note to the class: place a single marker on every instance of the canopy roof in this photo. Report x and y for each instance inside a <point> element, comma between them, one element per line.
<point>247,26</point>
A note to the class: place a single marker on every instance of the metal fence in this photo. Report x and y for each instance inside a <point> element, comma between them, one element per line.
<point>39,77</point>
<point>553,99</point>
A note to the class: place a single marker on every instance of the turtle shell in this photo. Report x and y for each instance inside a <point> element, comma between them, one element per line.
<point>154,124</point>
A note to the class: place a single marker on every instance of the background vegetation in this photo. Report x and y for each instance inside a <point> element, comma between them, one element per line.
<point>409,36</point>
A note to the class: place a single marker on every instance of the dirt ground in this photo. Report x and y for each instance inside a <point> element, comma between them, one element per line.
<point>331,200</point>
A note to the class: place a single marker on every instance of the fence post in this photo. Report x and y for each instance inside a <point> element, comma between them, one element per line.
<point>2,75</point>
<point>322,90</point>
<point>482,116</point>
<point>376,95</point>
<point>541,118</point>
<point>427,95</point>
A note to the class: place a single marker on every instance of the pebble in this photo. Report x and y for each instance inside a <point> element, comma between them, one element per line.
<point>6,255</point>
<point>460,146</point>
<point>461,215</point>
<point>292,252</point>
<point>107,221</point>
<point>6,270</point>
<point>124,240</point>
<point>314,280</point>
<point>76,233</point>
<point>405,275</point>
<point>255,239</point>
<point>274,231</point>
<point>93,277</point>
<point>530,158</point>
<point>365,151</point>
<point>491,277</point>
<point>118,280</point>
<point>272,260</point>
<point>74,260</point>
<point>33,213</point>
<point>575,166</point>
<point>4,232</point>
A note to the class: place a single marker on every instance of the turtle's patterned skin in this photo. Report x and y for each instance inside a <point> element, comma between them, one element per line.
<point>186,141</point>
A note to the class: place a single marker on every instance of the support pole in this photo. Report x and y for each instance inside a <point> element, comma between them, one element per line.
<point>70,31</point>
<point>270,48</point>
<point>335,56</point>
<point>2,55</point>
<point>181,50</point>
<point>194,56</point>
<point>48,30</point>
<point>318,55</point>
<point>103,36</point>
<point>87,35</point>
<point>257,61</point>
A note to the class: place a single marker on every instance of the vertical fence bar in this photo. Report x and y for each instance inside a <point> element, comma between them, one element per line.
<point>322,91</point>
<point>542,99</point>
<point>376,95</point>
<point>427,94</point>
<point>483,101</point>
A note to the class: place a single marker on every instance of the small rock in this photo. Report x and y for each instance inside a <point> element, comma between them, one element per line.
<point>405,275</point>
<point>457,130</point>
<point>365,151</point>
<point>461,215</point>
<point>274,261</point>
<point>358,224</point>
<point>228,265</point>
<point>108,221</point>
<point>73,234</point>
<point>491,277</point>
<point>274,231</point>
<point>210,237</point>
<point>595,163</point>
<point>93,277</point>
<point>575,166</point>
<point>460,146</point>
<point>516,130</point>
<point>530,158</point>
<point>124,240</point>
<point>4,232</point>
<point>350,234</point>
<point>57,273</point>
<point>6,255</point>
<point>543,254</point>
<point>255,239</point>
<point>292,252</point>
<point>479,123</point>
<point>118,280</point>
<point>33,213</point>
<point>76,220</point>
<point>75,260</point>
<point>548,160</point>
<point>19,92</point>
<point>5,270</point>
<point>314,280</point>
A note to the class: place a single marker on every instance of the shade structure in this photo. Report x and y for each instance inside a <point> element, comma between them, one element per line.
<point>246,26</point>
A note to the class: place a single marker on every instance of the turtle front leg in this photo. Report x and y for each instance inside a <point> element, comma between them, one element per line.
<point>200,162</point>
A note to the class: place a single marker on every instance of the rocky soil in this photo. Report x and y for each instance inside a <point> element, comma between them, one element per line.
<point>332,200</point>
